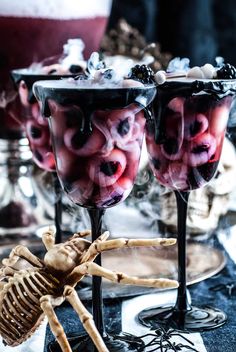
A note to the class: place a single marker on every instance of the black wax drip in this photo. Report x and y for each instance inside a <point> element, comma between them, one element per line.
<point>31,97</point>
<point>159,129</point>
<point>148,113</point>
<point>86,123</point>
<point>90,100</point>
<point>30,78</point>
<point>45,110</point>
<point>172,89</point>
<point>217,88</point>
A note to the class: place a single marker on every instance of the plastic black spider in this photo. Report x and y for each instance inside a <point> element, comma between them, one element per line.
<point>161,340</point>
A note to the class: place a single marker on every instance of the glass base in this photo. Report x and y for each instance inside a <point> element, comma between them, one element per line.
<point>115,343</point>
<point>195,319</point>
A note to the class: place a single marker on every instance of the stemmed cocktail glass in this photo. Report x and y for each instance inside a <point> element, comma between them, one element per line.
<point>184,141</point>
<point>37,131</point>
<point>97,135</point>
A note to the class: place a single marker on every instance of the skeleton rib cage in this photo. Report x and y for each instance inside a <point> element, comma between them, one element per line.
<point>20,308</point>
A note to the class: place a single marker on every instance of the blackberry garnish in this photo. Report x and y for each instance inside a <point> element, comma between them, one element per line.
<point>227,71</point>
<point>142,73</point>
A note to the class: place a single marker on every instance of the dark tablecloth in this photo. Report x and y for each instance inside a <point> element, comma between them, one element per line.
<point>205,292</point>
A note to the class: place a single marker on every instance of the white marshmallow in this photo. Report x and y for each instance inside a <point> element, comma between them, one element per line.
<point>208,71</point>
<point>195,72</point>
<point>160,77</point>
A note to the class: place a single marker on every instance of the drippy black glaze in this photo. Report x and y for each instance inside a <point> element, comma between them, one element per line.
<point>169,90</point>
<point>92,99</point>
<point>30,78</point>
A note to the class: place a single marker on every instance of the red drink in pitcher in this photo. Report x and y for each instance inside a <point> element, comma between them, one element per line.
<point>33,30</point>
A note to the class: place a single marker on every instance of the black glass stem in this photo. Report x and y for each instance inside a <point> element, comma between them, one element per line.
<point>96,216</point>
<point>182,315</point>
<point>182,305</point>
<point>57,208</point>
<point>114,343</point>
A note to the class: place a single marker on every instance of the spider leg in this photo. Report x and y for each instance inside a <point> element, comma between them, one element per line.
<point>82,234</point>
<point>24,253</point>
<point>92,252</point>
<point>47,302</point>
<point>99,247</point>
<point>85,317</point>
<point>48,239</point>
<point>91,268</point>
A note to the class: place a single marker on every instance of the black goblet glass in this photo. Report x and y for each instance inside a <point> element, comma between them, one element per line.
<point>184,141</point>
<point>97,135</point>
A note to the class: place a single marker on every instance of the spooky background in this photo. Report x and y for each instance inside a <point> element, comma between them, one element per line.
<point>198,29</point>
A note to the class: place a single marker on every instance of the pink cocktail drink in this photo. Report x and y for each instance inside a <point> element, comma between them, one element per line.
<point>184,141</point>
<point>97,129</point>
<point>185,151</point>
<point>33,123</point>
<point>97,136</point>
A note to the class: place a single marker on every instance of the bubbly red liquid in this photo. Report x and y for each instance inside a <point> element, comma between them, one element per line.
<point>186,153</point>
<point>97,168</point>
<point>36,129</point>
<point>27,40</point>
